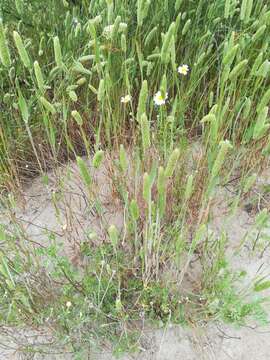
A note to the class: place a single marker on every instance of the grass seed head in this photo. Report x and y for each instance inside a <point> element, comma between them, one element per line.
<point>4,51</point>
<point>21,50</point>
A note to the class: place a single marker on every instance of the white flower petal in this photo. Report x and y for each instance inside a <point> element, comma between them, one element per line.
<point>159,99</point>
<point>183,69</point>
<point>125,99</point>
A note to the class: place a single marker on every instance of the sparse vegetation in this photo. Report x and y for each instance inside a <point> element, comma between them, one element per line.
<point>159,105</point>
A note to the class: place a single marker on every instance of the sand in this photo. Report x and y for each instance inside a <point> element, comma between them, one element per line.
<point>214,340</point>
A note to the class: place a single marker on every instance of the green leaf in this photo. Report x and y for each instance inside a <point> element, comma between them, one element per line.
<point>260,286</point>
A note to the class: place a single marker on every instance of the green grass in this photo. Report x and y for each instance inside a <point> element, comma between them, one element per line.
<point>81,82</point>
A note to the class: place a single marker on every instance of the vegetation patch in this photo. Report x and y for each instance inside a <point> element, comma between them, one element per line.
<point>121,124</point>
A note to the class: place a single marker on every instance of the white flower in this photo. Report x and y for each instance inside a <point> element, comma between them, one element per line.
<point>68,304</point>
<point>125,99</point>
<point>183,69</point>
<point>159,99</point>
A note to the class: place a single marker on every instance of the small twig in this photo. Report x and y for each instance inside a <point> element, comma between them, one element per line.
<point>40,227</point>
<point>228,336</point>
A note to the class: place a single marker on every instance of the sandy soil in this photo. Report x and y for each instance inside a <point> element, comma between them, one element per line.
<point>214,341</point>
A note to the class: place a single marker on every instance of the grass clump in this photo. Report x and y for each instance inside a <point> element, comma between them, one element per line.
<point>170,100</point>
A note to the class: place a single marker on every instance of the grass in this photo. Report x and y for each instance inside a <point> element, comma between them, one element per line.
<point>102,82</point>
